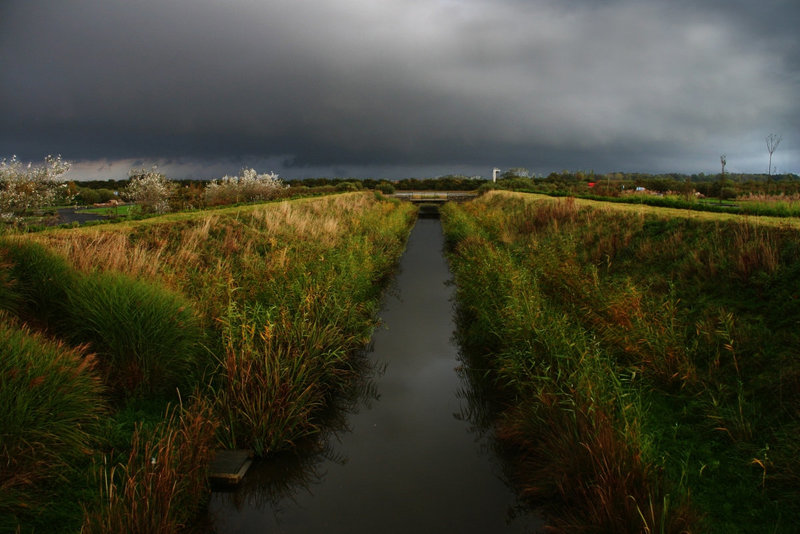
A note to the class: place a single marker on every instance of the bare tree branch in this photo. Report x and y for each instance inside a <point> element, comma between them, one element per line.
<point>773,141</point>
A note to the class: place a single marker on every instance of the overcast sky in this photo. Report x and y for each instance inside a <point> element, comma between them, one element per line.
<point>394,88</point>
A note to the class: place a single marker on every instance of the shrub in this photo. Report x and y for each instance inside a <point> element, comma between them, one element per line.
<point>386,188</point>
<point>485,188</point>
<point>146,337</point>
<point>347,186</point>
<point>249,186</point>
<point>51,403</point>
<point>151,190</point>
<point>93,196</point>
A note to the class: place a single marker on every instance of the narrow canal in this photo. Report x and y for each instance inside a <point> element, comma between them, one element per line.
<point>410,461</point>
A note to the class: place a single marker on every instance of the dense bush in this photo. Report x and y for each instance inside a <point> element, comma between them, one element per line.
<point>348,186</point>
<point>94,196</point>
<point>385,187</point>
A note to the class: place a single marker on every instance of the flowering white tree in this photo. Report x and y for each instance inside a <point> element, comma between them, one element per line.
<point>248,186</point>
<point>150,189</point>
<point>25,187</point>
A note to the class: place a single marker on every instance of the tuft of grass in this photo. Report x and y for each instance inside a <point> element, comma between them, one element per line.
<point>52,404</point>
<point>9,294</point>
<point>147,338</point>
<point>41,280</point>
<point>588,472</point>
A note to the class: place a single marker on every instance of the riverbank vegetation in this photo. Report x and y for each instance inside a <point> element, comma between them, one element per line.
<point>647,362</point>
<point>142,346</point>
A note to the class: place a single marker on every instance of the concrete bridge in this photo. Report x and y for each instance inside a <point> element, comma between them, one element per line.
<point>435,196</point>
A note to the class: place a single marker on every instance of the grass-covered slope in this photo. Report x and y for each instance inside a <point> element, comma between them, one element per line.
<point>244,320</point>
<point>648,361</point>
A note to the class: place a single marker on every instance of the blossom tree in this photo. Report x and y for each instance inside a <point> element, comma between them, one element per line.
<point>150,189</point>
<point>247,186</point>
<point>27,187</point>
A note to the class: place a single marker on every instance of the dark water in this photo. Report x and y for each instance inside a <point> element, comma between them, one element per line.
<point>411,460</point>
<point>70,215</point>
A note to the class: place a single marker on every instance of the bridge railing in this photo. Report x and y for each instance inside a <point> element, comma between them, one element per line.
<point>434,196</point>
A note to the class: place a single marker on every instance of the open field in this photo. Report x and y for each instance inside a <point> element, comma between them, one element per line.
<point>232,327</point>
<point>790,219</point>
<point>647,359</point>
<point>114,211</point>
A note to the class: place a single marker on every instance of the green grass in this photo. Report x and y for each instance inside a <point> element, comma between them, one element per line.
<point>771,208</point>
<point>147,339</point>
<point>161,484</point>
<point>640,352</point>
<point>52,407</point>
<point>276,298</point>
<point>118,211</point>
<point>39,279</point>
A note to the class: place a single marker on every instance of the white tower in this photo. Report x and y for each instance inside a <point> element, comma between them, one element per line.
<point>494,174</point>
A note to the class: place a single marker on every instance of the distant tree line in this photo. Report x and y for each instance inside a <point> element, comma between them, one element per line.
<point>451,182</point>
<point>730,185</point>
<point>191,191</point>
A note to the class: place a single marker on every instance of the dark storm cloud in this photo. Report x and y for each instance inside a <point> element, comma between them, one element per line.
<point>325,84</point>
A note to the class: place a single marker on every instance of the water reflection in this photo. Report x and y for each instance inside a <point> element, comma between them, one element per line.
<point>409,449</point>
<point>289,476</point>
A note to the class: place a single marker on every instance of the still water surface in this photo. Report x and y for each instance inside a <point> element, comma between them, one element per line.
<point>410,461</point>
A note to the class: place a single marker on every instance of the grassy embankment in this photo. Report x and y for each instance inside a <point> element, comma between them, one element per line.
<point>753,204</point>
<point>165,338</point>
<point>647,359</point>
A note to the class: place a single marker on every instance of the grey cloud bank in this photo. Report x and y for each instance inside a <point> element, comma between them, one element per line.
<point>400,87</point>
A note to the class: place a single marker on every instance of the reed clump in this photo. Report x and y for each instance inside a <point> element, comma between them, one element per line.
<point>646,360</point>
<point>163,483</point>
